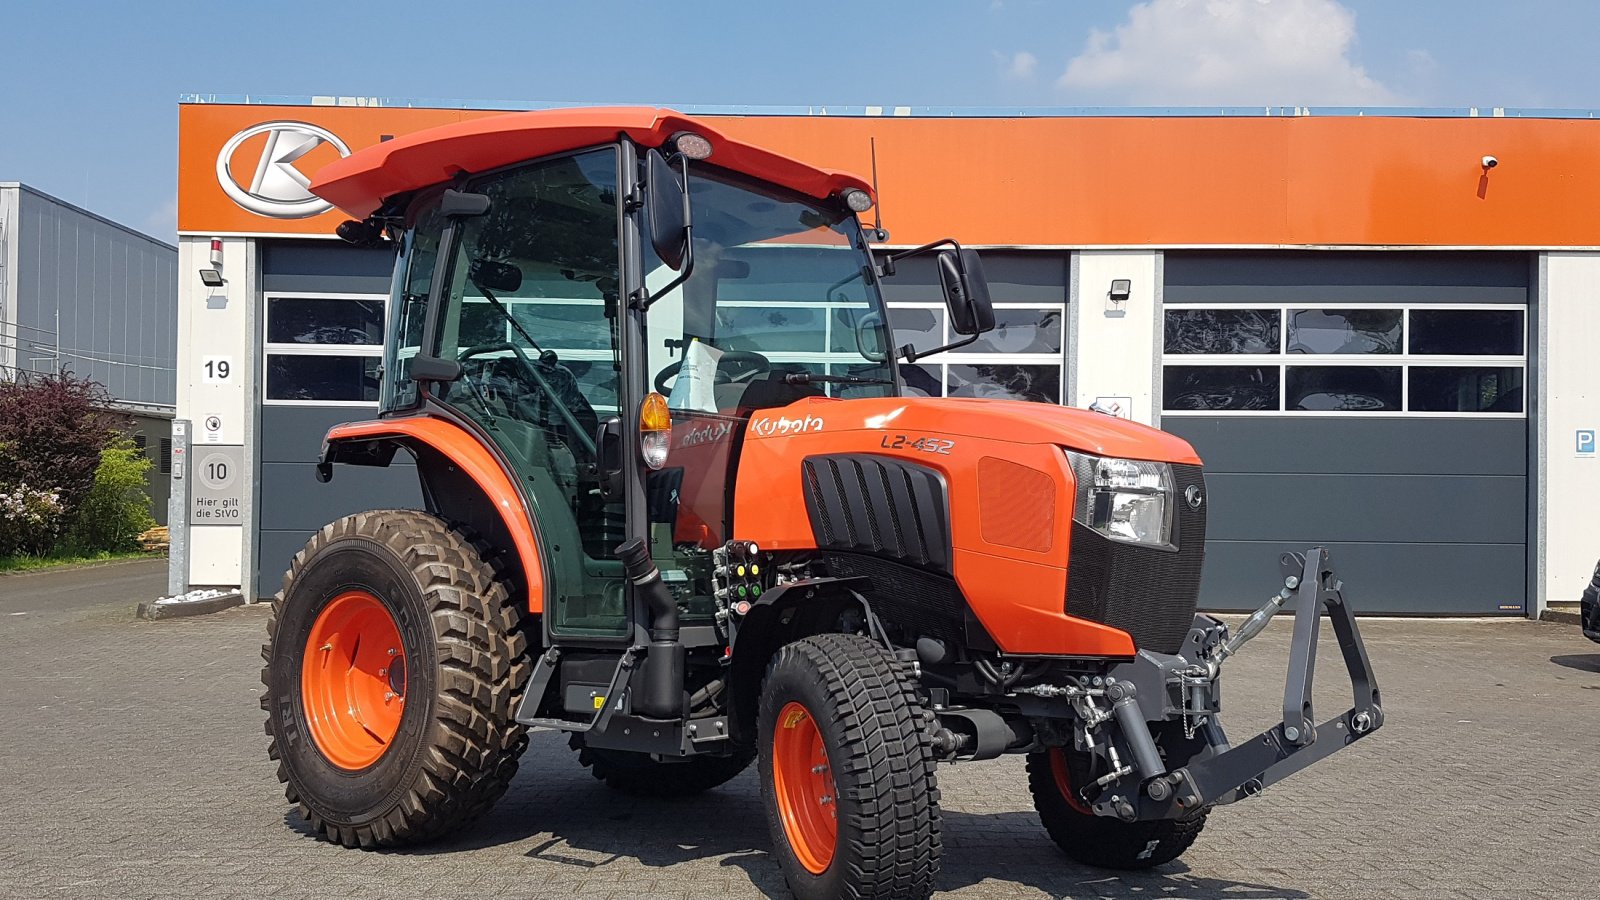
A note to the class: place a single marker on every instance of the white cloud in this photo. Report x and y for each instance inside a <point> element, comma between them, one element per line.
<point>1019,66</point>
<point>1227,53</point>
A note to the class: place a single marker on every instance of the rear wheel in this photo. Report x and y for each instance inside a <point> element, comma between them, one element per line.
<point>393,654</point>
<point>847,775</point>
<point>641,775</point>
<point>1100,840</point>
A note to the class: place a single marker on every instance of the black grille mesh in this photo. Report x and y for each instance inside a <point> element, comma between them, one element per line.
<point>917,600</point>
<point>1149,593</point>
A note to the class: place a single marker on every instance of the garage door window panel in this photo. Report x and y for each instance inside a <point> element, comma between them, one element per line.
<point>1343,388</point>
<point>1494,389</point>
<point>1346,331</point>
<point>1223,331</point>
<point>323,349</point>
<point>1467,332</point>
<point>1221,388</point>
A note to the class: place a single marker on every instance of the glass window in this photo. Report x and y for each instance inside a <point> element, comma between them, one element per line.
<point>923,379</point>
<point>1219,387</point>
<point>1222,330</point>
<point>1343,388</point>
<point>1041,384</point>
<point>317,320</point>
<point>322,378</point>
<point>1345,330</point>
<point>922,328</point>
<point>408,303</point>
<point>1021,331</point>
<point>773,329</point>
<point>1467,332</point>
<point>1466,388</point>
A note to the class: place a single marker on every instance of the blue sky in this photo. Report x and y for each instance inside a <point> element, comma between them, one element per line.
<point>88,91</point>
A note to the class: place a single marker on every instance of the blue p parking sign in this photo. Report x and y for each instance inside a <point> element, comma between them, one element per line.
<point>1586,441</point>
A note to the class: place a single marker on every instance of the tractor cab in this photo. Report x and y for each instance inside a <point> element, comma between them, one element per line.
<point>633,300</point>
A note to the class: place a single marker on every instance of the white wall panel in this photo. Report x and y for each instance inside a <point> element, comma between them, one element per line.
<point>1114,348</point>
<point>1571,403</point>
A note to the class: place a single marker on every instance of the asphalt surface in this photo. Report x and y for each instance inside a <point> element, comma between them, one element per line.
<point>135,766</point>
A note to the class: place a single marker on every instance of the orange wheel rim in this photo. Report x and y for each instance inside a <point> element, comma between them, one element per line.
<point>353,680</point>
<point>1063,776</point>
<point>802,780</point>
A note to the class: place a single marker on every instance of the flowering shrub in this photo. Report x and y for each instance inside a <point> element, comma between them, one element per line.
<point>30,520</point>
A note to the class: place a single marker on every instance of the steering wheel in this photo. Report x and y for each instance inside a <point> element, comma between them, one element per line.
<point>557,402</point>
<point>748,362</point>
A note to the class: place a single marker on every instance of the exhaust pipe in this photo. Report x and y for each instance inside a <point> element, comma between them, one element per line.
<point>661,694</point>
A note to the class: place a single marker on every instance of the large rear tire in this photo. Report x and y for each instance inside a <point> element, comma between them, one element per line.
<point>1099,840</point>
<point>393,655</point>
<point>847,774</point>
<point>640,775</point>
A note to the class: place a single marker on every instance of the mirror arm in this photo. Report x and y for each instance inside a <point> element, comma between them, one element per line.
<point>642,300</point>
<point>892,258</point>
<point>911,354</point>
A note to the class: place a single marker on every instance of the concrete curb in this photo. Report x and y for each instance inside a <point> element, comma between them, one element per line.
<point>1561,616</point>
<point>156,610</point>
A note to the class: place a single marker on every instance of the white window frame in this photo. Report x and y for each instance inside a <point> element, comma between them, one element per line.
<point>1405,360</point>
<point>269,349</point>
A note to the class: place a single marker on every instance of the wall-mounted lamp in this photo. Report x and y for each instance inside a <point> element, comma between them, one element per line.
<point>1121,289</point>
<point>212,278</point>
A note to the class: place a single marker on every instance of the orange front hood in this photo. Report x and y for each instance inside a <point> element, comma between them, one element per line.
<point>1013,421</point>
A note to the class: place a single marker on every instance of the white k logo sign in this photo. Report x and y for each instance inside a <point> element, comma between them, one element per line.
<point>278,189</point>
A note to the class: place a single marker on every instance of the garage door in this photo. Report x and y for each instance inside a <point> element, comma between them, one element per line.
<point>1369,402</point>
<point>323,305</point>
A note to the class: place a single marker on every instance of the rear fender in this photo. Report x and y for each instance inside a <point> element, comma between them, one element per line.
<point>461,481</point>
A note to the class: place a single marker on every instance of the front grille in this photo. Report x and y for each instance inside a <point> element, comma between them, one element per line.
<point>1148,592</point>
<point>880,505</point>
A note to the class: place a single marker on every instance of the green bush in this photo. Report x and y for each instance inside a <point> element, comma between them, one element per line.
<point>117,509</point>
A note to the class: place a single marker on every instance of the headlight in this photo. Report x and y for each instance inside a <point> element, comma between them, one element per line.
<point>1126,500</point>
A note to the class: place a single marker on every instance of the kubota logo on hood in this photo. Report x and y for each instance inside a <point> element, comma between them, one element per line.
<point>277,189</point>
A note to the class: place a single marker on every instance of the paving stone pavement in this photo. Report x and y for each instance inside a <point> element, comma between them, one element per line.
<point>134,765</point>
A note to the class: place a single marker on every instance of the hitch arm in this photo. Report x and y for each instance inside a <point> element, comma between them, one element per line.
<point>1297,741</point>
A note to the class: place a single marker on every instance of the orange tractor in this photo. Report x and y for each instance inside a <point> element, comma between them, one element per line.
<point>680,506</point>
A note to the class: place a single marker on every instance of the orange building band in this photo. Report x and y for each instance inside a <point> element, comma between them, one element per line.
<point>1072,181</point>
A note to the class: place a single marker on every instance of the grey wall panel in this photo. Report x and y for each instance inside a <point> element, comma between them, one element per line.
<point>332,266</point>
<point>1014,277</point>
<point>301,502</point>
<point>295,433</point>
<point>274,551</point>
<point>1346,276</point>
<point>1351,444</point>
<point>1425,579</point>
<point>1455,509</point>
<point>99,297</point>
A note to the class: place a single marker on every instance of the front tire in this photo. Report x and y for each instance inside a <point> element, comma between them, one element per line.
<point>393,654</point>
<point>847,774</point>
<point>1100,840</point>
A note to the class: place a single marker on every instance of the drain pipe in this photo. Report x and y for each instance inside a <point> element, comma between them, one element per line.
<point>661,694</point>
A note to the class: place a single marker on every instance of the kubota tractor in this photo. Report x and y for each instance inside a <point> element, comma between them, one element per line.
<point>680,506</point>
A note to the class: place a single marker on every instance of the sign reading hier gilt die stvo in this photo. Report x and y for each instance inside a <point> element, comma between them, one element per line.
<point>216,492</point>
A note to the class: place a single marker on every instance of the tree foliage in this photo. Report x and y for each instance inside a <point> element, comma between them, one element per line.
<point>52,429</point>
<point>117,508</point>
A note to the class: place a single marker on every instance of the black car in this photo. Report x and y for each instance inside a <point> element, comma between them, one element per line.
<point>1589,608</point>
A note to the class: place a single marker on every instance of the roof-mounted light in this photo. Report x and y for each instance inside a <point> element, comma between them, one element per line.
<point>694,146</point>
<point>858,200</point>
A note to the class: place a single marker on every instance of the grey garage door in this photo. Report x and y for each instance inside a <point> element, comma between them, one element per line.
<point>324,305</point>
<point>1369,402</point>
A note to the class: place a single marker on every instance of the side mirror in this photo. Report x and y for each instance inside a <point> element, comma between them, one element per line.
<point>432,368</point>
<point>966,291</point>
<point>461,203</point>
<point>668,209</point>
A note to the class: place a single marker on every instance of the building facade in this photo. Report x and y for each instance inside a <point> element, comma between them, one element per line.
<point>80,293</point>
<point>1371,326</point>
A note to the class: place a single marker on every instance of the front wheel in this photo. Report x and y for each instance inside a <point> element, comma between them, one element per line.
<point>393,654</point>
<point>847,775</point>
<point>1100,840</point>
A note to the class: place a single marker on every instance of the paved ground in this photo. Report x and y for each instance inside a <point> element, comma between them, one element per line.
<point>134,766</point>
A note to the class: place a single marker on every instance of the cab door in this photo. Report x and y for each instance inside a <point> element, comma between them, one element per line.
<point>529,309</point>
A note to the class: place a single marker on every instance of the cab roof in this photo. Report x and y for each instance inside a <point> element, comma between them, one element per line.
<point>362,181</point>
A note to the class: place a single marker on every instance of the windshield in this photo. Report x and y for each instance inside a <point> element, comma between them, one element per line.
<point>777,294</point>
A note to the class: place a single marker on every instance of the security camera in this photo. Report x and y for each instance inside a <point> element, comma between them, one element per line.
<point>1490,162</point>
